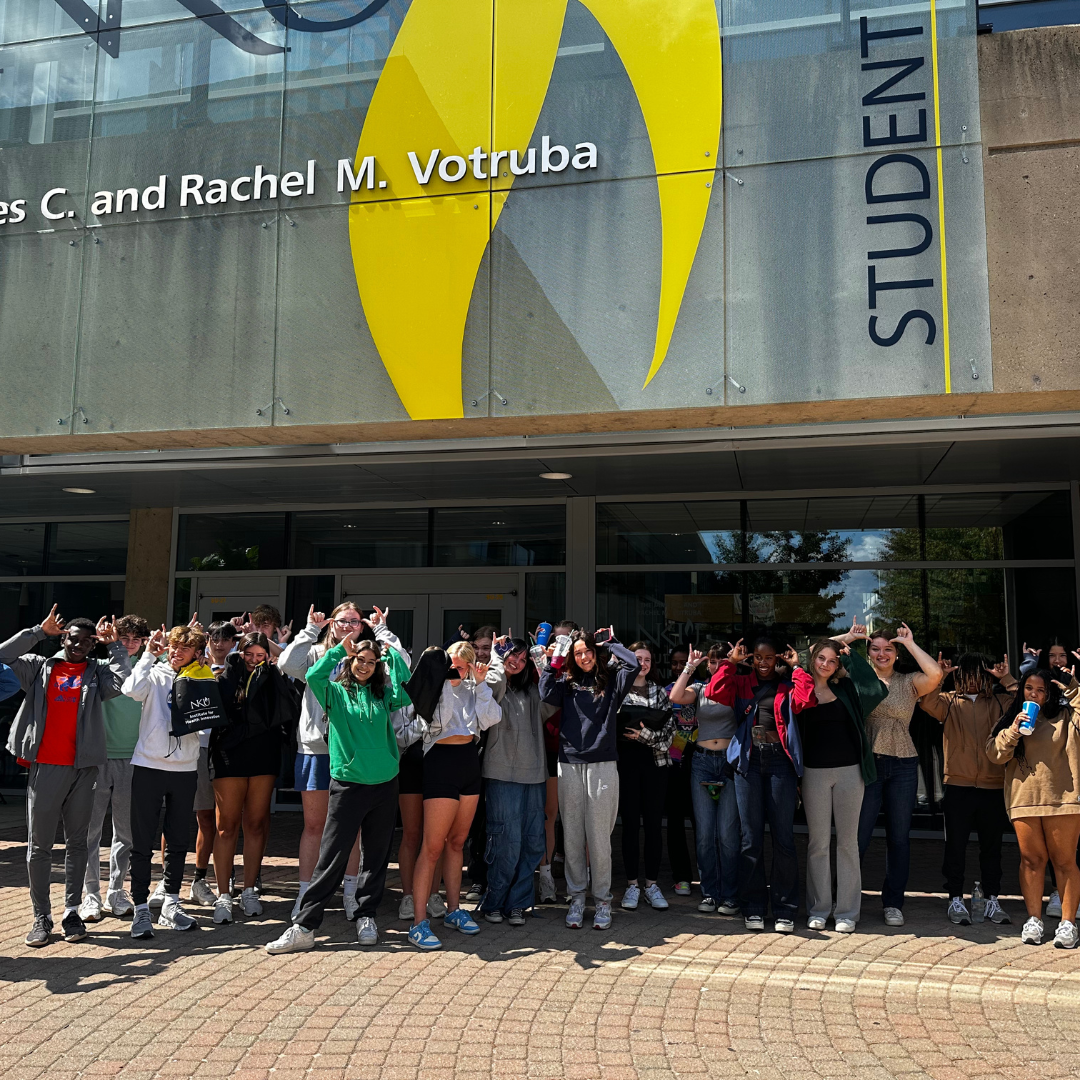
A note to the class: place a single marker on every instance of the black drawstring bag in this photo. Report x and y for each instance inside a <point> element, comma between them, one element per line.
<point>195,703</point>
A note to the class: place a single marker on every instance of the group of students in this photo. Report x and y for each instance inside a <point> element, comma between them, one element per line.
<point>496,737</point>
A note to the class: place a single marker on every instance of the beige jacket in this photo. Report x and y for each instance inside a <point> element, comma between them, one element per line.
<point>967,729</point>
<point>1046,782</point>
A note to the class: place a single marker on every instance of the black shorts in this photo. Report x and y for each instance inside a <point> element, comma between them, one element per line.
<point>553,762</point>
<point>258,756</point>
<point>451,770</point>
<point>411,770</point>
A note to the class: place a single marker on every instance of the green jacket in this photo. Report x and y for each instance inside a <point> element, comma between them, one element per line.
<point>363,747</point>
<point>861,692</point>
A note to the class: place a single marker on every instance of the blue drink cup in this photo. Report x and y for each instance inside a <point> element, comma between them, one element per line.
<point>543,633</point>
<point>1030,713</point>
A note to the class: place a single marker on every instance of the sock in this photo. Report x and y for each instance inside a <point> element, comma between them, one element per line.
<point>174,897</point>
<point>69,911</point>
<point>304,885</point>
<point>200,873</point>
<point>348,888</point>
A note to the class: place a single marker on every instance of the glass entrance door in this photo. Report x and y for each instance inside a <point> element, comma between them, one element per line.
<point>216,599</point>
<point>406,615</point>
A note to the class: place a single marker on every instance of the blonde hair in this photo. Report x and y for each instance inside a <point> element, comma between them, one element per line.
<point>463,649</point>
<point>187,636</point>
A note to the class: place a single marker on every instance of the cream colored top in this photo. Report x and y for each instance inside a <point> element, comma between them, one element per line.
<point>1047,781</point>
<point>887,726</point>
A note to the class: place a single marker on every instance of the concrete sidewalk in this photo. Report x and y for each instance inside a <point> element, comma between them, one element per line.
<point>673,993</point>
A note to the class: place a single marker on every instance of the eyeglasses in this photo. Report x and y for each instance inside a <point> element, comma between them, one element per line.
<point>352,623</point>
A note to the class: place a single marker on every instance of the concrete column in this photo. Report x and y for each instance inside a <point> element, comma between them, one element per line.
<point>581,561</point>
<point>149,559</point>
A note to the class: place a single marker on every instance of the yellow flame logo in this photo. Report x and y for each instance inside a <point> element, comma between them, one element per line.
<point>474,73</point>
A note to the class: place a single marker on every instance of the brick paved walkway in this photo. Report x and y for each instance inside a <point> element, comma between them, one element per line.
<point>662,994</point>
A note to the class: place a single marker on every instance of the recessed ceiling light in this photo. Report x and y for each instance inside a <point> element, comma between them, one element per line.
<point>348,526</point>
<point>556,476</point>
<point>81,491</point>
<point>498,523</point>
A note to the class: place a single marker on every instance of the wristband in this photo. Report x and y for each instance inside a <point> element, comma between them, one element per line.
<point>689,669</point>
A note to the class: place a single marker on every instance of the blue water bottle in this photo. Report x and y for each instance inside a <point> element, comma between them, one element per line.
<point>543,633</point>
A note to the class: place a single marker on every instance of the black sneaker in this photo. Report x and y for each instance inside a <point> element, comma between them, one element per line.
<point>74,928</point>
<point>41,933</point>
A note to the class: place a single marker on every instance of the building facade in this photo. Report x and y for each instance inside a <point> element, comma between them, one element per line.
<point>699,318</point>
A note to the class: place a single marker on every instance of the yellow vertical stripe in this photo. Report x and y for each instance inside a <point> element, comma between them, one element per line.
<point>941,201</point>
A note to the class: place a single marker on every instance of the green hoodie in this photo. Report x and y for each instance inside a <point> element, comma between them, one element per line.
<point>363,747</point>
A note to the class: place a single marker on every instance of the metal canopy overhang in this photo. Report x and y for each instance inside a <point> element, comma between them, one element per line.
<point>955,452</point>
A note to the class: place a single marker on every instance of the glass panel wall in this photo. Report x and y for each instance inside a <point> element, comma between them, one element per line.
<point>881,559</point>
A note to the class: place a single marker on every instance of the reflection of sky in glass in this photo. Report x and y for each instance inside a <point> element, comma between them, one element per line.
<point>863,545</point>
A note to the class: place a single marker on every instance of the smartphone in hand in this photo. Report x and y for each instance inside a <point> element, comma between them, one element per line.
<point>602,637</point>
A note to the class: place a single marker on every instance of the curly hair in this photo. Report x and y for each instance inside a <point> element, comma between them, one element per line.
<point>132,626</point>
<point>1054,705</point>
<point>187,637</point>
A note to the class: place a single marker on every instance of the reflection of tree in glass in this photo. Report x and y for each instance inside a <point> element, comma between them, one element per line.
<point>966,606</point>
<point>228,556</point>
<point>803,601</point>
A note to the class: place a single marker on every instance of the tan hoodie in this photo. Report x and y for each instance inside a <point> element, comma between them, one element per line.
<point>967,729</point>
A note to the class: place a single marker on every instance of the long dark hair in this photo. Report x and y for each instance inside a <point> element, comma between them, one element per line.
<point>654,675</point>
<point>520,683</point>
<point>376,684</point>
<point>1050,710</point>
<point>598,674</point>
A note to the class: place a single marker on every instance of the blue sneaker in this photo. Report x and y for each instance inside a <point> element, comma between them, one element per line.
<point>461,920</point>
<point>421,936</point>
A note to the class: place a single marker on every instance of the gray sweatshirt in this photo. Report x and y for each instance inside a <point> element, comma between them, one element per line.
<point>515,748</point>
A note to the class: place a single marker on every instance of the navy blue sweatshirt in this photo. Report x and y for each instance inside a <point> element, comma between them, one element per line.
<point>588,722</point>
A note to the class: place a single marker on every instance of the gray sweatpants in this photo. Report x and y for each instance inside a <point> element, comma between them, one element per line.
<point>56,793</point>
<point>113,786</point>
<point>830,794</point>
<point>588,807</point>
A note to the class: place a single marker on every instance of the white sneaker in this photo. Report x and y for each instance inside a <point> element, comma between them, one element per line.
<point>602,917</point>
<point>654,897</point>
<point>352,906</point>
<point>249,903</point>
<point>1032,934</point>
<point>436,907</point>
<point>1053,907</point>
<point>785,926</point>
<point>367,933</point>
<point>630,898</point>
<point>406,911</point>
<point>845,926</point>
<point>157,897</point>
<point>958,912</point>
<point>754,922</point>
<point>90,908</point>
<point>1066,936</point>
<point>894,916</point>
<point>815,922</point>
<point>995,912</point>
<point>548,892</point>
<point>295,939</point>
<point>201,893</point>
<point>175,917</point>
<point>576,915</point>
<point>223,909</point>
<point>119,903</point>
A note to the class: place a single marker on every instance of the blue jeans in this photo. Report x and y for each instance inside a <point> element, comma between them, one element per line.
<point>717,825</point>
<point>895,789</point>
<point>515,843</point>
<point>768,791</point>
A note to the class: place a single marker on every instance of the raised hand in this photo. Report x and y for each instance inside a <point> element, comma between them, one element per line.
<point>52,624</point>
<point>462,632</point>
<point>155,646</point>
<point>858,629</point>
<point>696,659</point>
<point>378,618</point>
<point>238,622</point>
<point>903,635</point>
<point>1028,651</point>
<point>106,630</point>
<point>790,656</point>
<point>1000,669</point>
<point>194,621</point>
<point>284,633</point>
<point>350,643</point>
<point>947,667</point>
<point>1061,686</point>
<point>479,672</point>
<point>1076,653</point>
<point>738,652</point>
<point>316,618</point>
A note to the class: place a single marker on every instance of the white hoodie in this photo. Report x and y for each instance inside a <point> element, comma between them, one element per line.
<point>157,748</point>
<point>302,654</point>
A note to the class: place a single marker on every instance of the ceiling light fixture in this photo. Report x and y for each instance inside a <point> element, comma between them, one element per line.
<point>81,491</point>
<point>556,476</point>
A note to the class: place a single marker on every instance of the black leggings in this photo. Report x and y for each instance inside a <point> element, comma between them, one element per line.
<point>149,789</point>
<point>642,790</point>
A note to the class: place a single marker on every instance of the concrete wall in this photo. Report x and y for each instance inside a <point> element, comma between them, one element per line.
<point>1029,88</point>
